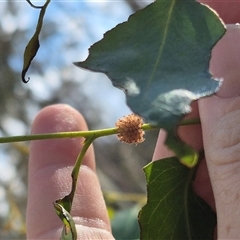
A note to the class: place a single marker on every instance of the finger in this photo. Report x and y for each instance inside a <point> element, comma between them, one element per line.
<point>50,165</point>
<point>161,150</point>
<point>227,10</point>
<point>186,133</point>
<point>220,117</point>
<point>191,135</point>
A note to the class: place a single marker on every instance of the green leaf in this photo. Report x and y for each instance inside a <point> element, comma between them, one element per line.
<point>33,45</point>
<point>186,154</point>
<point>125,224</point>
<point>173,210</point>
<point>69,230</point>
<point>160,58</point>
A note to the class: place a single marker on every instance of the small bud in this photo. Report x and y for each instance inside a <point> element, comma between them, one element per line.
<point>129,129</point>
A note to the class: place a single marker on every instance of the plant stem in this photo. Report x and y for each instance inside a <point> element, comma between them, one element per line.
<point>34,6</point>
<point>66,202</point>
<point>75,171</point>
<point>85,134</point>
<point>191,121</point>
<point>184,122</point>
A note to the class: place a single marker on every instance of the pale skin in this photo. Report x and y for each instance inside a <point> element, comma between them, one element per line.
<point>218,178</point>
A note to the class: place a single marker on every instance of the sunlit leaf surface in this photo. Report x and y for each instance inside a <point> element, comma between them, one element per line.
<point>160,57</point>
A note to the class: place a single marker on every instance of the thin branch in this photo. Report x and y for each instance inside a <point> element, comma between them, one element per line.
<point>32,5</point>
<point>85,134</point>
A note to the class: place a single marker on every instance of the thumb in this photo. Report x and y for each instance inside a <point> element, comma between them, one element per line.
<point>50,166</point>
<point>220,118</point>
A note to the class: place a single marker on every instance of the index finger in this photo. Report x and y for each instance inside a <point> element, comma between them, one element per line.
<point>50,166</point>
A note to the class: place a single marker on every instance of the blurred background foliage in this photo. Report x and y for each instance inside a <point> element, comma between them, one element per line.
<point>69,29</point>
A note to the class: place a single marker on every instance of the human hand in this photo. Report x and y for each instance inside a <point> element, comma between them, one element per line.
<point>218,177</point>
<point>50,166</point>
<point>50,161</point>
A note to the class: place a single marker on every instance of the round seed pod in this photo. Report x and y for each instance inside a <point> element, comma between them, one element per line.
<point>129,129</point>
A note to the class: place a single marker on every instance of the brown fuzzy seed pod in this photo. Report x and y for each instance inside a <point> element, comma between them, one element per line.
<point>129,129</point>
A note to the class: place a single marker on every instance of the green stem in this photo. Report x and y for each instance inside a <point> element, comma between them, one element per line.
<point>191,121</point>
<point>76,169</point>
<point>64,205</point>
<point>185,122</point>
<point>85,134</point>
<point>66,202</point>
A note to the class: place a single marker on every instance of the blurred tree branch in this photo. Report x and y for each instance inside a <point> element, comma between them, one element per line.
<point>136,5</point>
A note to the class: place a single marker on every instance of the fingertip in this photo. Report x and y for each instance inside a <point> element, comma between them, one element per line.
<point>53,119</point>
<point>58,118</point>
<point>50,165</point>
<point>228,11</point>
<point>186,133</point>
<point>224,63</point>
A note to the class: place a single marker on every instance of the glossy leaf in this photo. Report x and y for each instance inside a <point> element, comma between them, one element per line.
<point>160,58</point>
<point>173,210</point>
